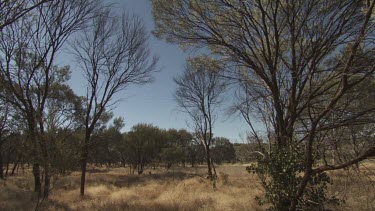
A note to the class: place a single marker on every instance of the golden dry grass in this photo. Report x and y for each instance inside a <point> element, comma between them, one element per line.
<point>177,189</point>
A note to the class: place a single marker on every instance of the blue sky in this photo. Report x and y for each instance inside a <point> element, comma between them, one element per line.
<point>153,103</point>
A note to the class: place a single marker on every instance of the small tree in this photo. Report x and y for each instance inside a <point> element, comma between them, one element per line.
<point>176,149</point>
<point>144,143</point>
<point>113,54</point>
<point>199,94</point>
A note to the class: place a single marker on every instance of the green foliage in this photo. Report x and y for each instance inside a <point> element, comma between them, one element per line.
<point>223,151</point>
<point>64,156</point>
<point>118,123</point>
<point>143,141</point>
<point>280,172</point>
<point>175,148</point>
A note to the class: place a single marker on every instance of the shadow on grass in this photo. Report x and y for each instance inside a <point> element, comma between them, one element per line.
<point>131,180</point>
<point>97,170</point>
<point>153,206</point>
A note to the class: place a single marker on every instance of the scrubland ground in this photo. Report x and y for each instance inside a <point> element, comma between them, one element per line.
<point>174,189</point>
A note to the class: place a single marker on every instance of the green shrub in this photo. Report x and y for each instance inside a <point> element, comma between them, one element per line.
<point>280,172</point>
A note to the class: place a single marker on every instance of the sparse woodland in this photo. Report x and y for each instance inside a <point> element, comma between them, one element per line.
<point>303,74</point>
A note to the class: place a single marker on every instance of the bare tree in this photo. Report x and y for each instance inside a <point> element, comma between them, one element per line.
<point>199,93</point>
<point>283,54</point>
<point>29,47</point>
<point>12,10</point>
<point>113,54</point>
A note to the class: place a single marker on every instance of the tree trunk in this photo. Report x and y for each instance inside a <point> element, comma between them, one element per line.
<point>7,169</point>
<point>47,181</point>
<point>36,167</point>
<point>36,173</point>
<point>307,174</point>
<point>14,168</point>
<point>8,161</point>
<point>208,159</point>
<point>1,164</point>
<point>85,153</point>
<point>46,159</point>
<point>140,169</point>
<point>300,191</point>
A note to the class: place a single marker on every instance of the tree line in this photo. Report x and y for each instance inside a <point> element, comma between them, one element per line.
<point>144,146</point>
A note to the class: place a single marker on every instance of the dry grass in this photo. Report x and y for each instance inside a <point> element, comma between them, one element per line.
<point>114,189</point>
<point>357,188</point>
<point>177,189</point>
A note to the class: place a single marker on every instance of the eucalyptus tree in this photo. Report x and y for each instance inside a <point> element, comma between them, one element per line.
<point>113,53</point>
<point>144,143</point>
<point>280,53</point>
<point>29,47</point>
<point>199,93</point>
<point>177,147</point>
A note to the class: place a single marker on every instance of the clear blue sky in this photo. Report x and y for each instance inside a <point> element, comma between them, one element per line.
<point>153,103</point>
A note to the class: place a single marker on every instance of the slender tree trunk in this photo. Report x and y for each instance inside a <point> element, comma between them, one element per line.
<point>36,167</point>
<point>8,161</point>
<point>1,163</point>
<point>83,176</point>
<point>85,153</point>
<point>14,168</point>
<point>213,168</point>
<point>6,169</point>
<point>122,161</point>
<point>208,159</point>
<point>307,174</point>
<point>140,168</point>
<point>300,191</point>
<point>37,183</point>
<point>47,181</point>
<point>47,176</point>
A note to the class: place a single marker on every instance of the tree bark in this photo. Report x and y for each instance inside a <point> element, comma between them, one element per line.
<point>7,169</point>
<point>47,182</point>
<point>85,153</point>
<point>192,161</point>
<point>8,161</point>
<point>36,173</point>
<point>14,168</point>
<point>1,163</point>
<point>36,167</point>
<point>209,165</point>
<point>47,176</point>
